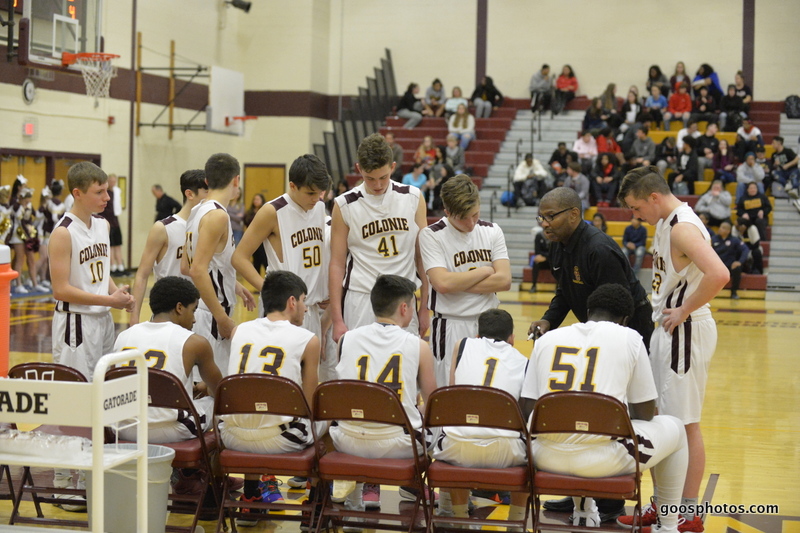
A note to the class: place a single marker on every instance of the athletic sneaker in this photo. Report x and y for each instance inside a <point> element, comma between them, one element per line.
<point>297,482</point>
<point>270,493</point>
<point>257,514</point>
<point>792,192</point>
<point>693,526</point>
<point>410,494</point>
<point>20,289</point>
<point>372,496</point>
<point>191,485</point>
<point>649,516</point>
<point>352,524</point>
<point>586,518</point>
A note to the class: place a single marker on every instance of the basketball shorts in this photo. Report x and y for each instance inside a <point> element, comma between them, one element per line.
<point>384,443</point>
<point>175,430</point>
<point>204,321</point>
<point>680,365</point>
<point>79,340</point>
<point>494,452</point>
<point>115,236</point>
<point>445,334</point>
<point>285,438</point>
<point>357,312</point>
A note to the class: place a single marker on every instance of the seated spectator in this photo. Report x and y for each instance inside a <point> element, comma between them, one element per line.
<point>606,144</point>
<point>682,180</point>
<point>656,78</point>
<point>655,105</point>
<point>784,167</point>
<point>426,153</point>
<point>586,148</point>
<point>747,173</point>
<point>605,179</point>
<point>609,103</point>
<point>706,77</point>
<point>678,77</point>
<point>452,103</point>
<point>634,243</point>
<point>630,111</point>
<point>541,87</point>
<point>643,149</point>
<point>560,159</point>
<point>541,254</point>
<point>599,222</point>
<point>707,147</point>
<point>667,155</point>
<point>397,155</point>
<point>753,209</point>
<point>704,219</point>
<point>690,130</point>
<point>454,154</point>
<point>596,116</point>
<point>412,108</point>
<point>723,163</point>
<point>743,91</point>
<point>645,123</point>
<point>462,125</point>
<point>577,181</point>
<point>748,139</point>
<point>435,97</point>
<point>704,107</point>
<point>716,203</point>
<point>530,169</point>
<point>750,237</point>
<point>679,107</point>
<point>731,110</point>
<point>766,166</point>
<point>445,173</point>
<point>417,178</point>
<point>485,97</point>
<point>732,252</point>
<point>566,87</point>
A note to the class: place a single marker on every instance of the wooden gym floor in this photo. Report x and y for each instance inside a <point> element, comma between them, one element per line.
<point>751,420</point>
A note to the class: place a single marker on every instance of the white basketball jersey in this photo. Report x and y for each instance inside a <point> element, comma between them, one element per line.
<point>386,354</point>
<point>382,235</point>
<point>170,264</point>
<point>89,264</point>
<point>488,363</point>
<point>303,241</point>
<point>162,345</point>
<point>670,287</point>
<point>599,357</point>
<point>442,245</point>
<point>223,275</point>
<point>262,346</point>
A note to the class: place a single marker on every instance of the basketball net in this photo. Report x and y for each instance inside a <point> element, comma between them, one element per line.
<point>97,73</point>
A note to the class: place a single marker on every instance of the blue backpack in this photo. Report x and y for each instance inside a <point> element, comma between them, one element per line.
<point>508,199</point>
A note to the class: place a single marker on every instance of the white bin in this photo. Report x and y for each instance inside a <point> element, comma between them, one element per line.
<point>120,491</point>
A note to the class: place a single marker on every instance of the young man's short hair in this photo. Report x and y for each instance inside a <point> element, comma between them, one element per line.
<point>778,138</point>
<point>460,195</point>
<point>168,292</point>
<point>278,287</point>
<point>374,153</point>
<point>641,182</point>
<point>81,176</point>
<point>220,170</point>
<point>495,324</point>
<point>612,298</point>
<point>389,292</point>
<point>575,166</point>
<point>194,180</point>
<point>309,171</point>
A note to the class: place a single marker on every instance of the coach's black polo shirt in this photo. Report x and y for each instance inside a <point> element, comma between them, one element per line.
<point>589,259</point>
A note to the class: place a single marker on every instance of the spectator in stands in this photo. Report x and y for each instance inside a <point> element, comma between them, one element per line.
<point>445,173</point>
<point>566,87</point>
<point>630,111</point>
<point>454,154</point>
<point>435,97</point>
<point>485,97</point>
<point>690,130</point>
<point>586,148</point>
<point>634,243</point>
<point>462,125</point>
<point>731,110</point>
<point>580,183</point>
<point>609,102</point>
<point>667,155</point>
<point>541,254</point>
<point>655,105</point>
<point>716,203</point>
<point>707,147</point>
<point>748,139</point>
<point>235,210</point>
<point>599,222</point>
<point>724,163</point>
<point>560,159</point>
<point>706,77</point>
<point>417,178</point>
<point>678,77</point>
<point>644,122</point>
<point>751,238</point>
<point>530,169</point>
<point>743,91</point>
<point>412,108</point>
<point>426,152</point>
<point>541,87</point>
<point>732,252</point>
<point>605,179</point>
<point>682,180</point>
<point>452,103</point>
<point>704,107</point>
<point>397,154</point>
<point>704,219</point>
<point>747,173</point>
<point>766,166</point>
<point>753,209</point>
<point>656,78</point>
<point>679,107</point>
<point>596,116</point>
<point>607,144</point>
<point>784,167</point>
<point>643,149</point>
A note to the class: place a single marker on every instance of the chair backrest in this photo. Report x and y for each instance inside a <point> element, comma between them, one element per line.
<point>46,372</point>
<point>165,389</point>
<point>468,405</point>
<point>581,412</point>
<point>260,394</point>
<point>350,399</point>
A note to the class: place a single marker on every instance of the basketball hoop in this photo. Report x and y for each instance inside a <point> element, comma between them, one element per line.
<point>229,121</point>
<point>97,71</point>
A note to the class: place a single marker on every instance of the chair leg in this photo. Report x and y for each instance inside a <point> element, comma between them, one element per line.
<point>222,525</point>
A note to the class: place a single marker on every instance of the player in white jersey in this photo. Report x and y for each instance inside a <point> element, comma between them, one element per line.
<point>384,352</point>
<point>168,344</point>
<point>164,246</point>
<point>466,260</point>
<point>83,330</point>
<point>377,224</point>
<point>489,360</point>
<point>207,257</point>
<point>291,229</point>
<point>687,275</point>
<point>603,356</point>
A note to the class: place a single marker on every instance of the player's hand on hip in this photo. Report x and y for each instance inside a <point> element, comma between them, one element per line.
<point>339,329</point>
<point>673,318</point>
<point>225,327</point>
<point>538,328</point>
